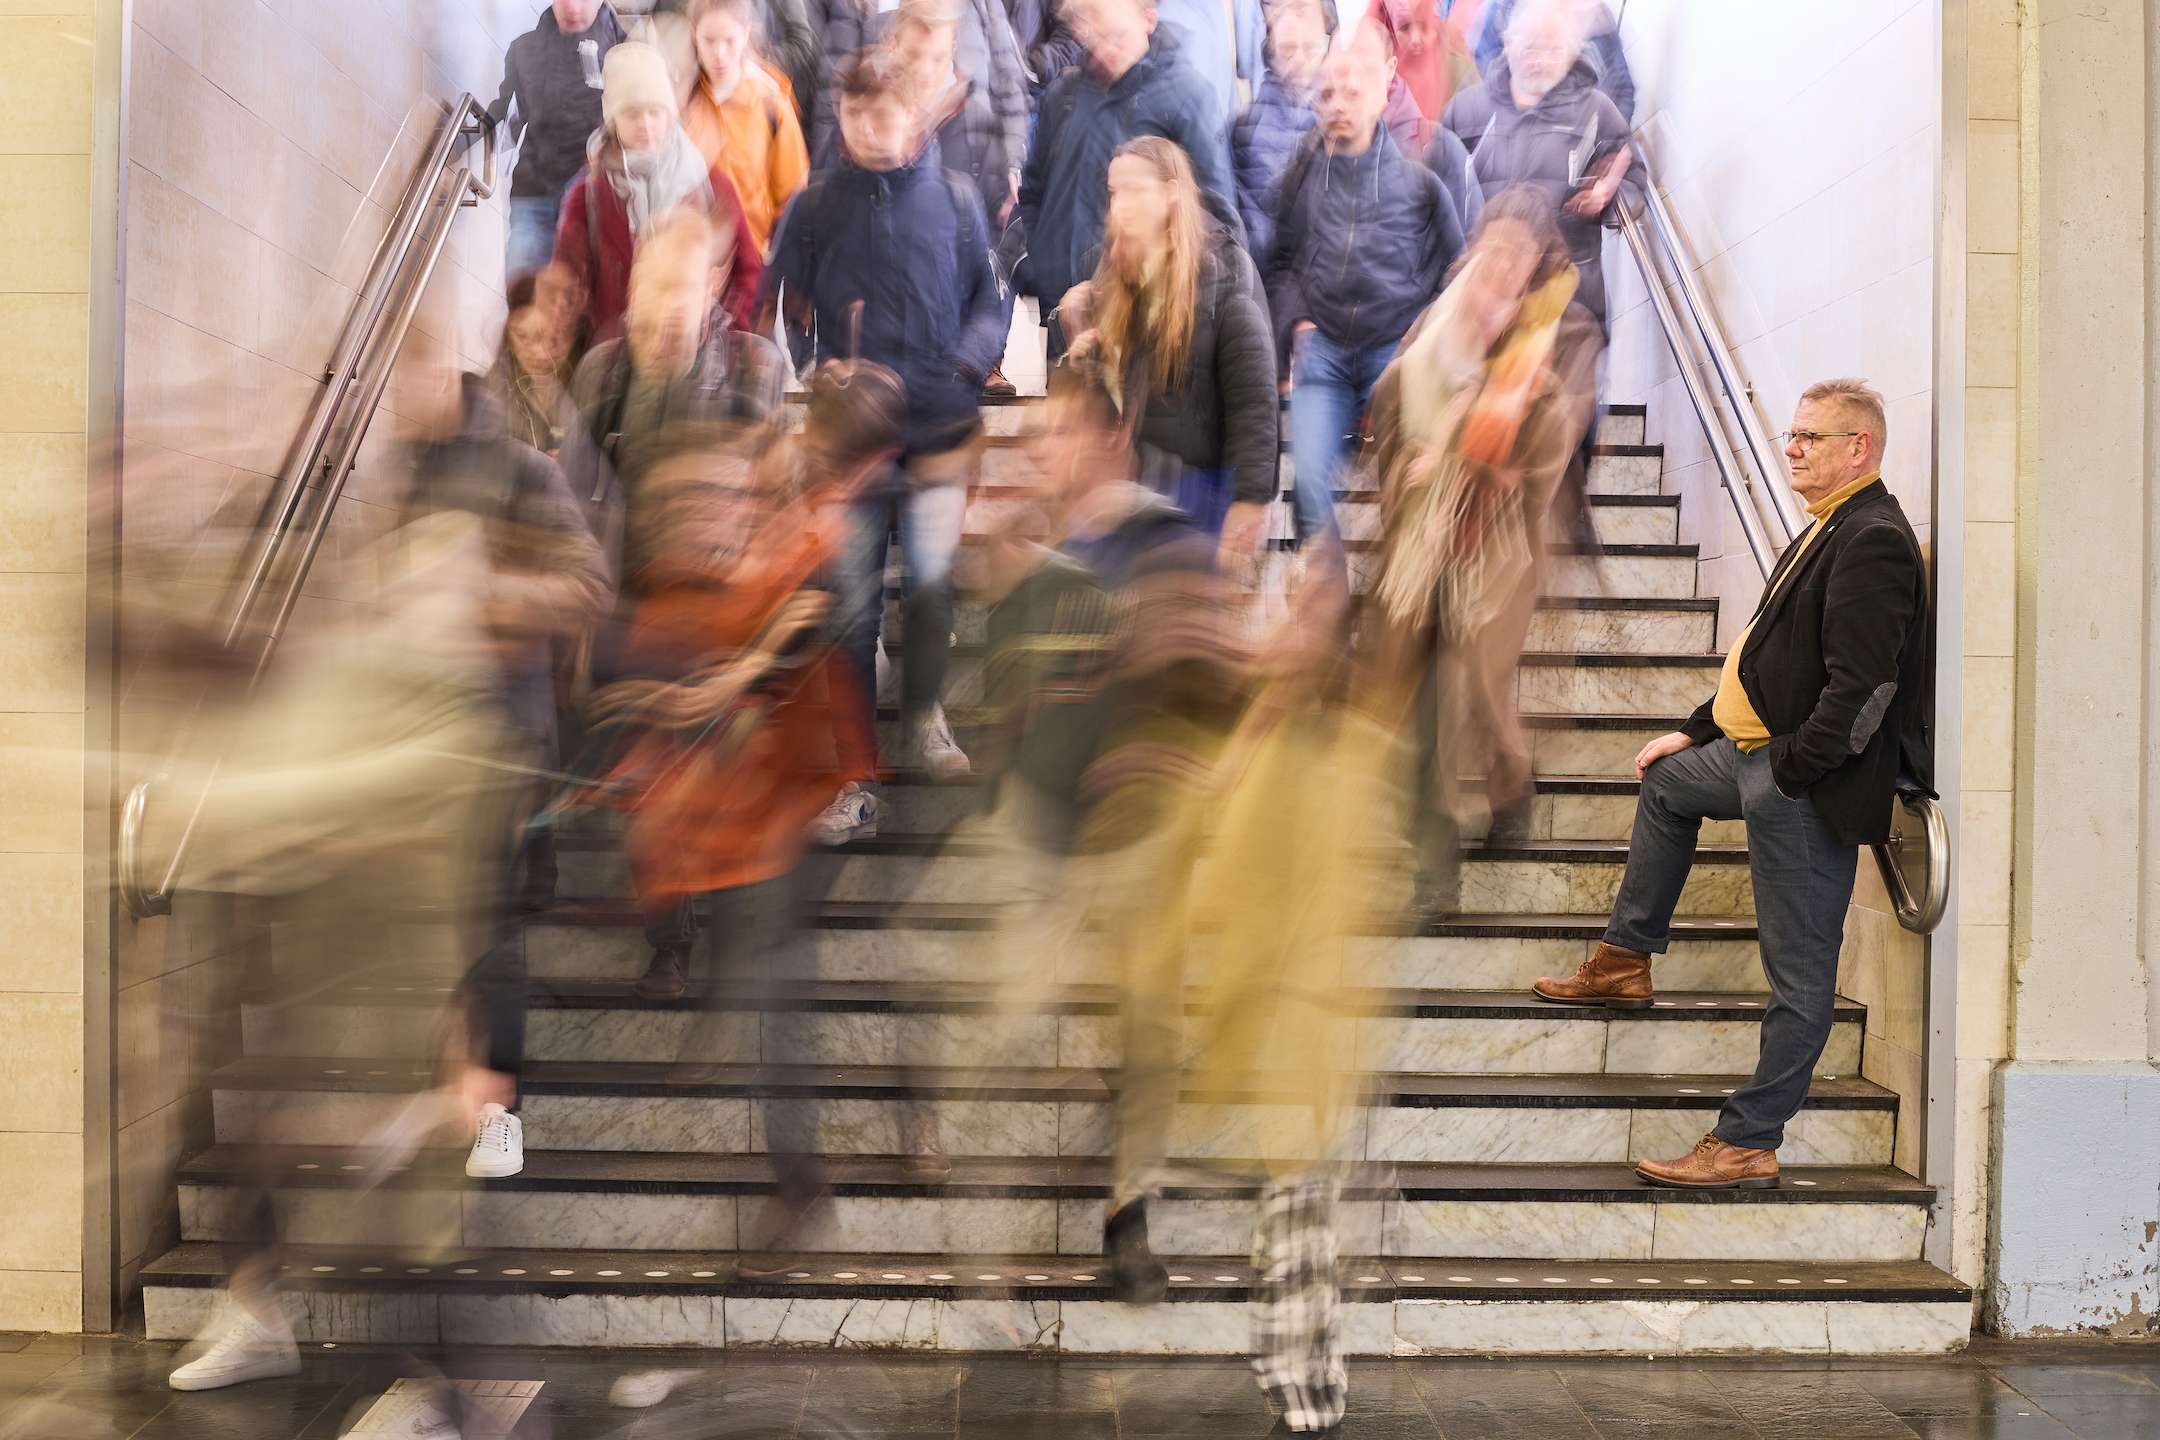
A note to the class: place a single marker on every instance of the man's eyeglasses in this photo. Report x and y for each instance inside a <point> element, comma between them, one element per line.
<point>1806,439</point>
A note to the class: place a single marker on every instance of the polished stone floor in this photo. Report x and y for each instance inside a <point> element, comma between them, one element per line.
<point>61,1388</point>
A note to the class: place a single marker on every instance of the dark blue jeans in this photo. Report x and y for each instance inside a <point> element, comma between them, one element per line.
<point>1803,882</point>
<point>1330,387</point>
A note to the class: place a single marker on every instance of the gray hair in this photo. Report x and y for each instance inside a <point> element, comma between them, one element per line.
<point>1858,401</point>
<point>1575,16</point>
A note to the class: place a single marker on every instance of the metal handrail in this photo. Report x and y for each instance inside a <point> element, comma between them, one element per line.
<point>366,352</point>
<point>1921,913</point>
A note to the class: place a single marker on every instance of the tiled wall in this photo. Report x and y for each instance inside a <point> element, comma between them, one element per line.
<point>267,143</point>
<point>46,107</point>
<point>1797,147</point>
<point>1795,141</point>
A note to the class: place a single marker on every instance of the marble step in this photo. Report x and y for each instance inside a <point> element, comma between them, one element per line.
<point>1661,572</point>
<point>1541,876</point>
<point>1564,807</point>
<point>1454,1118</point>
<point>1604,623</point>
<point>880,1022</point>
<point>908,942</point>
<point>1617,424</point>
<point>1057,1305</point>
<point>879,1205</point>
<point>1614,469</point>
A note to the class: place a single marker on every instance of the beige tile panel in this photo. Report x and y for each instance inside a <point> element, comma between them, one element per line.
<point>1983,848</point>
<point>1991,186</point>
<point>189,262</point>
<point>41,1065</point>
<point>47,237</point>
<point>1991,602</point>
<point>41,791</point>
<point>43,1300</point>
<point>1988,723</point>
<point>42,486</point>
<point>1983,992</point>
<point>41,914</point>
<point>1991,59</point>
<point>176,25</point>
<point>1991,320</point>
<point>1896,1068</point>
<point>45,107</point>
<point>1991,431</point>
<point>41,1193</point>
<point>41,643</point>
<point>211,146</point>
<point>44,364</point>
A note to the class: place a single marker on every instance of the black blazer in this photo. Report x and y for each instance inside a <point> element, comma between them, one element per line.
<point>1837,666</point>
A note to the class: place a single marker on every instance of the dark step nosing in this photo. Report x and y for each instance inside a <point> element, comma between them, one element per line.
<point>630,1173</point>
<point>1077,1278</point>
<point>1620,660</point>
<point>916,915</point>
<point>1626,550</point>
<point>1691,604</point>
<point>1386,1090</point>
<point>878,997</point>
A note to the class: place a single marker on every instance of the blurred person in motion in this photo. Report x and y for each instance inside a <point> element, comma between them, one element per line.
<point>1177,323</point>
<point>1225,43</point>
<point>639,166</point>
<point>1606,57</point>
<point>1115,655</point>
<point>1046,40</point>
<point>1281,114</point>
<point>886,258</point>
<point>532,371</point>
<point>1819,718</point>
<point>1539,119</point>
<point>674,365</point>
<point>385,768</point>
<point>550,105</point>
<point>740,117</point>
<point>975,40</point>
<point>1474,424</point>
<point>1430,57</point>
<point>737,694</point>
<point>1135,82</point>
<point>969,136</point>
<point>1364,236</point>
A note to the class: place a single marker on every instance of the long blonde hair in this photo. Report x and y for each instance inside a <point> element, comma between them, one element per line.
<point>1154,311</point>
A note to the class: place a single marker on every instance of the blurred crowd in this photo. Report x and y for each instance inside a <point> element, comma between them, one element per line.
<point>764,259</point>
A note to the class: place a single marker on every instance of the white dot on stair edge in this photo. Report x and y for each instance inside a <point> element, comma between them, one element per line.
<point>1726,1091</point>
<point>329,1344</point>
<point>417,1269</point>
<point>1507,1279</point>
<point>610,1273</point>
<point>1737,1280</point>
<point>694,1274</point>
<point>896,1275</point>
<point>1805,1184</point>
<point>1833,1282</point>
<point>1083,1277</point>
<point>1787,1280</point>
<point>1179,1279</point>
<point>1458,1279</point>
<point>1687,1091</point>
<point>558,1274</point>
<point>940,1275</point>
<point>1692,1281</point>
<point>333,1072</point>
<point>326,1269</point>
<point>464,1272</point>
<point>1556,1280</point>
<point>1601,1280</point>
<point>1226,1279</point>
<point>850,1275</point>
<point>1706,1004</point>
<point>371,1269</point>
<point>513,1272</point>
<point>1648,1280</point>
<point>1413,1279</point>
<point>348,1167</point>
<point>1664,1004</point>
<point>307,1167</point>
<point>656,1274</point>
<point>989,1277</point>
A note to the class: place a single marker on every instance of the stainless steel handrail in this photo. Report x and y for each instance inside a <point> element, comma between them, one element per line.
<point>365,354</point>
<point>1921,913</point>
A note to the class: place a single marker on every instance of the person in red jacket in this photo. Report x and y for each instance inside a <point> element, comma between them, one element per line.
<point>640,165</point>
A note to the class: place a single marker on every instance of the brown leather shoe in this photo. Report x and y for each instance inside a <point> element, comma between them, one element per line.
<point>1611,976</point>
<point>1714,1165</point>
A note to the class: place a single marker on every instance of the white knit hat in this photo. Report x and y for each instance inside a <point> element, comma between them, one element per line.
<point>635,74</point>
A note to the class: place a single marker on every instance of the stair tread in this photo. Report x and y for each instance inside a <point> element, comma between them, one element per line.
<point>1390,1088</point>
<point>202,1264</point>
<point>967,716</point>
<point>318,1167</point>
<point>946,915</point>
<point>896,997</point>
<point>1589,852</point>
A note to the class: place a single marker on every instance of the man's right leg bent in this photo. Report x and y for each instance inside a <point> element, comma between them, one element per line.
<point>1323,403</point>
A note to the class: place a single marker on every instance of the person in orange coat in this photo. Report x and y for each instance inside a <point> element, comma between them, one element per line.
<point>741,115</point>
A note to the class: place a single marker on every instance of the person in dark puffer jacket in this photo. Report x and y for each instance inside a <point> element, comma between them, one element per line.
<point>1364,240</point>
<point>1280,115</point>
<point>1135,83</point>
<point>549,106</point>
<point>887,258</point>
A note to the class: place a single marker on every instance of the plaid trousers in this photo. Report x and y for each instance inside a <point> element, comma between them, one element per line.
<point>1297,1333</point>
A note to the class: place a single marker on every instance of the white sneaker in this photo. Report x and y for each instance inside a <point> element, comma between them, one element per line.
<point>241,1347</point>
<point>931,745</point>
<point>498,1151</point>
<point>852,815</point>
<point>643,1389</point>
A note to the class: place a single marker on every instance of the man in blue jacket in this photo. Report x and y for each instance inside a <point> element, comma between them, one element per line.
<point>1364,238</point>
<point>1135,83</point>
<point>1280,116</point>
<point>886,258</point>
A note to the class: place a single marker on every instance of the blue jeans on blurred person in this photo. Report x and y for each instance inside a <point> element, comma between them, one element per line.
<point>529,242</point>
<point>928,494</point>
<point>1330,387</point>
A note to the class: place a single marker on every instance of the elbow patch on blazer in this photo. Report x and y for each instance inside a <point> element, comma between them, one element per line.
<point>1869,719</point>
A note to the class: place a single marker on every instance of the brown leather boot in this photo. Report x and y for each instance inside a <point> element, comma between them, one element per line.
<point>1611,976</point>
<point>1714,1165</point>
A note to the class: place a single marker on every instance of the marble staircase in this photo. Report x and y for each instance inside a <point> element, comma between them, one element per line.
<point>1490,1207</point>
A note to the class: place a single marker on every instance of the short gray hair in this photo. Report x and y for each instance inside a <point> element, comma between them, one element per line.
<point>1860,402</point>
<point>1575,15</point>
